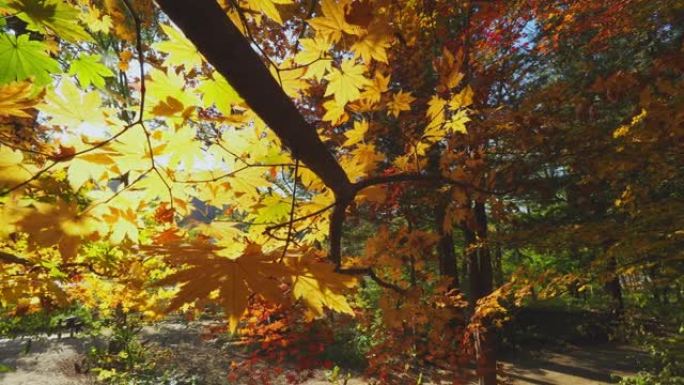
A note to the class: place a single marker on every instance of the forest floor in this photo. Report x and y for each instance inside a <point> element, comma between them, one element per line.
<point>52,361</point>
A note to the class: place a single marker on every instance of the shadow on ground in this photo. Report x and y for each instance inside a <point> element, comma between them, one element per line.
<point>600,364</point>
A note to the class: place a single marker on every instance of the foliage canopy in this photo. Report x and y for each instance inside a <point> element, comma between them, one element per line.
<point>150,168</point>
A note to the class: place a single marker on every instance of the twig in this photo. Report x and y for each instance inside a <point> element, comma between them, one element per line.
<point>292,209</point>
<point>307,216</point>
<point>419,177</point>
<point>367,271</point>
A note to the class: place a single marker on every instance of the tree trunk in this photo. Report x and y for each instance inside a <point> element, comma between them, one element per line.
<point>478,255</point>
<point>498,268</point>
<point>445,247</point>
<point>470,253</point>
<point>480,285</point>
<point>614,287</point>
<point>447,259</point>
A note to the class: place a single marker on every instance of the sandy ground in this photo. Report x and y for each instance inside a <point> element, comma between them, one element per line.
<point>50,361</point>
<point>593,365</point>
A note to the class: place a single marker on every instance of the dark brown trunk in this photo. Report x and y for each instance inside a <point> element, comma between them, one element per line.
<point>614,287</point>
<point>445,247</point>
<point>470,252</point>
<point>447,259</point>
<point>497,265</point>
<point>481,286</point>
<point>484,257</point>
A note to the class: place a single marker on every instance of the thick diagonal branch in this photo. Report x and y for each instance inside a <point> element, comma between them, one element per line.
<point>222,44</point>
<point>10,258</point>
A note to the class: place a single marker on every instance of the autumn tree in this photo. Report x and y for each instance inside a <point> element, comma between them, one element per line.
<point>164,157</point>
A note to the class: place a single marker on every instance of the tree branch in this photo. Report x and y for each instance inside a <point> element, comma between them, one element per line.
<point>222,44</point>
<point>10,258</point>
<point>303,217</point>
<point>419,177</point>
<point>367,271</point>
<point>292,209</point>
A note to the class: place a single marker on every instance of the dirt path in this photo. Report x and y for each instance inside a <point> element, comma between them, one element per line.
<point>48,362</point>
<point>52,362</point>
<point>592,365</point>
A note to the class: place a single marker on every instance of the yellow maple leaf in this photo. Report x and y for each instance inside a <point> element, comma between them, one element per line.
<point>457,123</point>
<point>334,112</point>
<point>94,165</point>
<point>233,278</point>
<point>271,209</point>
<point>462,99</point>
<point>318,285</point>
<point>226,235</point>
<point>345,83</point>
<point>401,101</point>
<point>313,57</point>
<point>164,84</point>
<point>183,147</point>
<point>268,7</point>
<point>95,21</point>
<point>16,97</point>
<point>12,169</point>
<point>216,91</point>
<point>435,113</point>
<point>310,180</point>
<point>124,59</point>
<point>69,106</point>
<point>354,169</point>
<point>453,78</point>
<point>179,50</point>
<point>290,78</point>
<point>169,107</point>
<point>356,134</point>
<point>61,225</point>
<point>118,13</point>
<point>374,194</point>
<point>333,24</point>
<point>436,109</point>
<point>448,67</point>
<point>122,222</point>
<point>366,155</point>
<point>373,44</point>
<point>378,85</point>
<point>408,162</point>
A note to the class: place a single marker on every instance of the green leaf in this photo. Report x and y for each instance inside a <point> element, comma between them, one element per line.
<point>57,16</point>
<point>89,70</point>
<point>21,58</point>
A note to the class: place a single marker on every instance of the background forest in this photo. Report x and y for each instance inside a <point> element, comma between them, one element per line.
<point>402,190</point>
